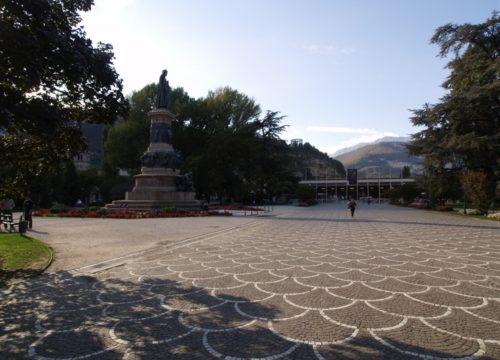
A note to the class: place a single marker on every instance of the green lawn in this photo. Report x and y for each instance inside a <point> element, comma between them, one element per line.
<point>20,252</point>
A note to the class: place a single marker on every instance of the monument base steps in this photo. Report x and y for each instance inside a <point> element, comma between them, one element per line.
<point>149,205</point>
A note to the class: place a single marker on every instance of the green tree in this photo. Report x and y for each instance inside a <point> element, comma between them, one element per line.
<point>47,188</point>
<point>462,131</point>
<point>232,151</point>
<point>218,143</point>
<point>306,194</point>
<point>90,183</point>
<point>71,189</point>
<point>126,141</point>
<point>475,186</point>
<point>405,172</point>
<point>440,184</point>
<point>406,192</point>
<point>272,173</point>
<point>51,79</point>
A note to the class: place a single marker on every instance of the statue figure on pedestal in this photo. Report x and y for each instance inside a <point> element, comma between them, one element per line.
<point>162,102</point>
<point>160,182</point>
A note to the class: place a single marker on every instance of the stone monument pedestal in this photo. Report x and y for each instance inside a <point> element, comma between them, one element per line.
<point>160,183</point>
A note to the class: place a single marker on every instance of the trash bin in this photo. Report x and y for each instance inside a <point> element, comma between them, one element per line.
<point>23,226</point>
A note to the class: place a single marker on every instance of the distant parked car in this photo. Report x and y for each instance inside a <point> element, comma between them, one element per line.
<point>420,204</point>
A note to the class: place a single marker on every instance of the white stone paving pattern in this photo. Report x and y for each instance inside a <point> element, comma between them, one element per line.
<point>390,283</point>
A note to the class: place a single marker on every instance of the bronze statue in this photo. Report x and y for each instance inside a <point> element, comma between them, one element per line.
<point>163,91</point>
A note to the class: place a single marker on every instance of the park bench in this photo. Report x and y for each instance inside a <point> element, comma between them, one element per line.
<point>9,223</point>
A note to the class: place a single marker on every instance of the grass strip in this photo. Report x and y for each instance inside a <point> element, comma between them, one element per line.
<point>19,252</point>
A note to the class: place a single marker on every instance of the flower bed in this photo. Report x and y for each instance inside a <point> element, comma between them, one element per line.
<point>420,204</point>
<point>128,214</point>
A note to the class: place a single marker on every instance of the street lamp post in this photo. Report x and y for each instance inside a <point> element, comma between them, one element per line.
<point>326,184</point>
<point>378,171</point>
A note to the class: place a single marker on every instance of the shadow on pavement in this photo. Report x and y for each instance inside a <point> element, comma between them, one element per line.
<point>7,275</point>
<point>64,316</point>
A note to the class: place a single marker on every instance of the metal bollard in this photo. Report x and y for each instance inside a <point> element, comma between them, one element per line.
<point>23,226</point>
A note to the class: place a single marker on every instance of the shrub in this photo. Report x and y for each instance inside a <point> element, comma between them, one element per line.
<point>41,212</point>
<point>476,186</point>
<point>96,204</point>
<point>90,209</point>
<point>495,216</point>
<point>443,208</point>
<point>420,204</point>
<point>306,194</point>
<point>59,208</point>
<point>102,212</point>
<point>169,209</point>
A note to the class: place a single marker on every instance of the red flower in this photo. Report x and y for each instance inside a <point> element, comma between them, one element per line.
<point>130,214</point>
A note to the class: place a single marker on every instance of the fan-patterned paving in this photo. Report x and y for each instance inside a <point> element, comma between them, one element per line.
<point>313,284</point>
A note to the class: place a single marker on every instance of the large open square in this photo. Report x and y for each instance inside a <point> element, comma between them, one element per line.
<point>302,283</point>
<point>254,180</point>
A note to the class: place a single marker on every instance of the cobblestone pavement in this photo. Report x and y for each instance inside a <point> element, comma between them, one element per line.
<point>390,283</point>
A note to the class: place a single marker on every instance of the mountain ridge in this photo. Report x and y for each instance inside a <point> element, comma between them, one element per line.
<point>403,139</point>
<point>384,159</point>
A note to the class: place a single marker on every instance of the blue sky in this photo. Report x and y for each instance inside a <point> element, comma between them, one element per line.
<point>343,72</point>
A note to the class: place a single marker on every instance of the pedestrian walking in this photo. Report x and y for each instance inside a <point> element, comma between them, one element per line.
<point>352,206</point>
<point>28,211</point>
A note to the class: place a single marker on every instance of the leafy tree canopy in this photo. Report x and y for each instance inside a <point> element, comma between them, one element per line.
<point>462,131</point>
<point>232,149</point>
<point>51,79</point>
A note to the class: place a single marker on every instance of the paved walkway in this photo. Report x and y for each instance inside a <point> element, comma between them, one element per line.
<point>390,283</point>
<point>96,240</point>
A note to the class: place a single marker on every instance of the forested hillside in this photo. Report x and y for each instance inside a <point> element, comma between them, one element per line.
<point>384,159</point>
